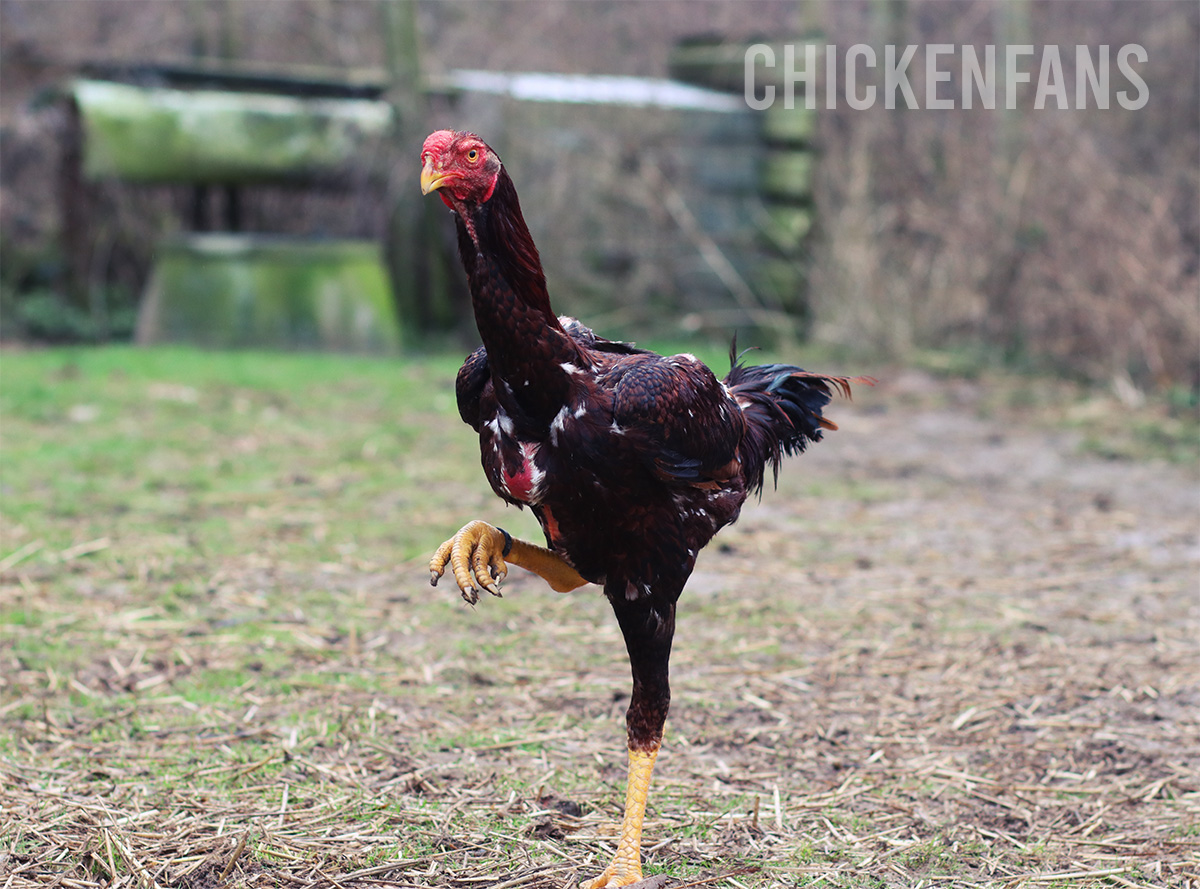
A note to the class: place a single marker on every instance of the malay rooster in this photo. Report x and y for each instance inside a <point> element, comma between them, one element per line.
<point>630,461</point>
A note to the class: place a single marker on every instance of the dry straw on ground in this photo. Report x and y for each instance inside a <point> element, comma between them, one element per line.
<point>947,651</point>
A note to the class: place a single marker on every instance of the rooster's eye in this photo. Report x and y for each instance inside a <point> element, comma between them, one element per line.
<point>472,155</point>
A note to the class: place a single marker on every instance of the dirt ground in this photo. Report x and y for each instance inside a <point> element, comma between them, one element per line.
<point>951,648</point>
<point>1001,639</point>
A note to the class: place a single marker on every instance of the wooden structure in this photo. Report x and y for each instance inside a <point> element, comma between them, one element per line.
<point>230,290</point>
<point>785,180</point>
<point>220,128</point>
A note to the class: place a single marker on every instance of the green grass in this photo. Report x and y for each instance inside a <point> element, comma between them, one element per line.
<point>1163,425</point>
<point>141,487</point>
<point>207,447</point>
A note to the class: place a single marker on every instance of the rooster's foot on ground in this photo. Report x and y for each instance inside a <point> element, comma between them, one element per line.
<point>614,878</point>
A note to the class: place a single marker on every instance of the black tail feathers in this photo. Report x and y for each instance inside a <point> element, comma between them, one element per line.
<point>782,406</point>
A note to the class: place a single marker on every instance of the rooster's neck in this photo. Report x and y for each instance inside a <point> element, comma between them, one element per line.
<point>525,343</point>
<point>493,240</point>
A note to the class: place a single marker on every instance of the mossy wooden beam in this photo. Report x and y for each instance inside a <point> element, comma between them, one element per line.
<point>722,66</point>
<point>223,291</point>
<point>150,134</point>
<point>787,175</point>
<point>783,126</point>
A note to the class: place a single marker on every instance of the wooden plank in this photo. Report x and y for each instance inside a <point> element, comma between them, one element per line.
<point>787,174</point>
<point>150,134</point>
<point>794,127</point>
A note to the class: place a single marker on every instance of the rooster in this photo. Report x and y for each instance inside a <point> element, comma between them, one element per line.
<point>630,461</point>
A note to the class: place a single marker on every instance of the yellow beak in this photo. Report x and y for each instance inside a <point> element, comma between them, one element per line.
<point>432,179</point>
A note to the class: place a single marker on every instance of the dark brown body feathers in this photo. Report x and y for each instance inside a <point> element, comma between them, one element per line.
<point>630,461</point>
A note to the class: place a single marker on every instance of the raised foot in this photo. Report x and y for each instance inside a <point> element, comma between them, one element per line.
<point>475,556</point>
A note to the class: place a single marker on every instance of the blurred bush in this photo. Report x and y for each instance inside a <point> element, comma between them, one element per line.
<point>1063,240</point>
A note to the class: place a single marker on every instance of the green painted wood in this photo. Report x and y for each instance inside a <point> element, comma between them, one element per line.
<point>722,66</point>
<point>221,291</point>
<point>787,175</point>
<point>787,227</point>
<point>794,127</point>
<point>149,134</point>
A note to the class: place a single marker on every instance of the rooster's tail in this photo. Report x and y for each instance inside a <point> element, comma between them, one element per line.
<point>782,407</point>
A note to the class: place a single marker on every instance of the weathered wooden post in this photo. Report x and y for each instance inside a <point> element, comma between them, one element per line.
<point>75,204</point>
<point>787,193</point>
<point>1004,309</point>
<point>416,258</point>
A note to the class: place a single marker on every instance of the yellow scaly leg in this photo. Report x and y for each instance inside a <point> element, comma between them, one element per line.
<point>626,867</point>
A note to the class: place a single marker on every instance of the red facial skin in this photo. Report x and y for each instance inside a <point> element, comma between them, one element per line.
<point>461,166</point>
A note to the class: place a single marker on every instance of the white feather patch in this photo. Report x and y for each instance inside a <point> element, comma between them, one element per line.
<point>558,424</point>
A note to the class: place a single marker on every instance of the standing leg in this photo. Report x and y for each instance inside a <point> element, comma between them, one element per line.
<point>648,628</point>
<point>626,867</point>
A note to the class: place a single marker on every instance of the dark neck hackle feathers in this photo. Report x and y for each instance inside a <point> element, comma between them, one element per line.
<point>525,343</point>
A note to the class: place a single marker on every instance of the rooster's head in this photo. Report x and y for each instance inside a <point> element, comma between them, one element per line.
<point>461,165</point>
